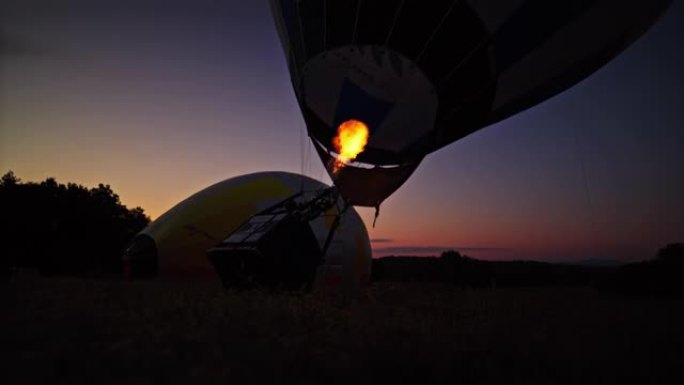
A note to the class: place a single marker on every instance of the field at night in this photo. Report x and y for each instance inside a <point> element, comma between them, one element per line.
<point>79,331</point>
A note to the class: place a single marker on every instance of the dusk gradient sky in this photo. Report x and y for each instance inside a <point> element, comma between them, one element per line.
<point>160,99</point>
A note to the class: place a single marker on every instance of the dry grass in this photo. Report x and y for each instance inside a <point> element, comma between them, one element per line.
<point>77,331</point>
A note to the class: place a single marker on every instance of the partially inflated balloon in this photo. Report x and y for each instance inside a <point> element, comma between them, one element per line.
<point>176,243</point>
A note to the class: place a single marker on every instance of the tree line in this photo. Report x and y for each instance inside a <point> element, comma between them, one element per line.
<point>464,271</point>
<point>56,228</point>
<point>660,275</point>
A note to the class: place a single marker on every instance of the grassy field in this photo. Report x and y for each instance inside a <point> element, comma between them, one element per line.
<point>84,331</point>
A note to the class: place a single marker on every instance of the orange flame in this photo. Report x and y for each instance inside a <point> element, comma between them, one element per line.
<point>351,139</point>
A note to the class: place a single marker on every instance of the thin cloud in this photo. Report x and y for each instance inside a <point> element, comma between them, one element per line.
<point>381,240</point>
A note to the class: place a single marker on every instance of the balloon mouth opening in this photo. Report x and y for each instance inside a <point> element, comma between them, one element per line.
<point>334,156</point>
<point>350,141</point>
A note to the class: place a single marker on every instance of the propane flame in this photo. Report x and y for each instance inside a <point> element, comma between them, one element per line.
<point>351,139</point>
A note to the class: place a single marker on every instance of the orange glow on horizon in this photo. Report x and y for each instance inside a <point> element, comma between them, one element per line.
<point>351,139</point>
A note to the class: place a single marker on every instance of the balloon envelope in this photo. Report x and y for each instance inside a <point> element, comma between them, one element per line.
<point>422,74</point>
<point>175,244</point>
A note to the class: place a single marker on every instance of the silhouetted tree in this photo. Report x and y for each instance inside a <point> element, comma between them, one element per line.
<point>673,253</point>
<point>9,179</point>
<point>451,255</point>
<point>661,276</point>
<point>64,229</point>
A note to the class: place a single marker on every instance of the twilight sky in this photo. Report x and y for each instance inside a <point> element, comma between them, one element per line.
<point>162,101</point>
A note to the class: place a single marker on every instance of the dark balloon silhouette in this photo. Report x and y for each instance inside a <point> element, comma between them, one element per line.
<point>423,74</point>
<point>55,228</point>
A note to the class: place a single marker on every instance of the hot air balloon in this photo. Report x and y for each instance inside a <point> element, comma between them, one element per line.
<point>423,74</point>
<point>252,239</point>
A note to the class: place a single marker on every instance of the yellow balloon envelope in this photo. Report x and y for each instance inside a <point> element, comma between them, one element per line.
<point>175,244</point>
